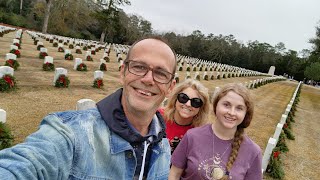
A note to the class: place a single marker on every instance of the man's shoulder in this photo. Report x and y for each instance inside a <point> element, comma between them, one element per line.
<point>75,115</point>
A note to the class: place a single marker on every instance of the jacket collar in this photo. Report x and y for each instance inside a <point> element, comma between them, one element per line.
<point>112,113</point>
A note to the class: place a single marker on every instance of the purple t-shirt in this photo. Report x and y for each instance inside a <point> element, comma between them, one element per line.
<point>195,155</point>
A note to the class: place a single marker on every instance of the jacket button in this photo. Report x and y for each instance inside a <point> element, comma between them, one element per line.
<point>129,154</point>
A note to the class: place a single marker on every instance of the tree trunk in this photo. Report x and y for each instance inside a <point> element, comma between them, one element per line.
<point>21,3</point>
<point>103,35</point>
<point>46,17</point>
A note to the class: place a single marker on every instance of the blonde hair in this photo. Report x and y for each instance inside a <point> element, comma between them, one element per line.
<point>201,117</point>
<point>242,91</point>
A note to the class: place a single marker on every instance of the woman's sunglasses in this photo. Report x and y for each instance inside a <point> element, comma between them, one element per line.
<point>195,102</point>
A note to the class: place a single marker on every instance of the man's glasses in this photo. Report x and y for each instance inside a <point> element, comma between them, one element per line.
<point>195,102</point>
<point>141,69</point>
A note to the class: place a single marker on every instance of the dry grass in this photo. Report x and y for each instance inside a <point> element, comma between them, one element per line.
<point>37,97</point>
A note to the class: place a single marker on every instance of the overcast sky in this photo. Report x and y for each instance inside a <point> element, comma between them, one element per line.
<point>292,22</point>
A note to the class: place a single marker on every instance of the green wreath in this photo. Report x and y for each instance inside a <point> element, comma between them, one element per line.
<point>62,81</point>
<point>7,83</point>
<point>48,66</point>
<point>82,67</point>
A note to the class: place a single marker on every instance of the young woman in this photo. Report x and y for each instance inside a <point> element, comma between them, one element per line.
<point>187,107</point>
<point>221,150</point>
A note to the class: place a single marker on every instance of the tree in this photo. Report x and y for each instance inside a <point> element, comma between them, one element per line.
<point>21,5</point>
<point>316,41</point>
<point>46,16</point>
<point>108,13</point>
<point>305,53</point>
<point>312,71</point>
<point>280,48</point>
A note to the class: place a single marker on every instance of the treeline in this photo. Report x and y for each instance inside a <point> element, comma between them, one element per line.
<point>103,20</point>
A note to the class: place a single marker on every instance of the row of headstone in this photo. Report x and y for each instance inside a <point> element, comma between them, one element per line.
<point>272,142</point>
<point>5,30</point>
<point>67,52</point>
<point>63,71</point>
<point>62,40</point>
<point>123,49</point>
<point>219,75</point>
<point>195,62</point>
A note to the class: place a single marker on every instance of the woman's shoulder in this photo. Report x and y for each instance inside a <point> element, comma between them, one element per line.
<point>205,129</point>
<point>250,145</point>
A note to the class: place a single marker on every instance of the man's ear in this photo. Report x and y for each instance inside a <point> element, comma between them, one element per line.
<point>172,85</point>
<point>122,69</point>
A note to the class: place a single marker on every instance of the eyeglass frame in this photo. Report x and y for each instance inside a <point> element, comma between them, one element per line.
<point>192,100</point>
<point>127,65</point>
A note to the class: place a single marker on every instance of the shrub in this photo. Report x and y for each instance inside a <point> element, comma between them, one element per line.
<point>6,138</point>
<point>274,168</point>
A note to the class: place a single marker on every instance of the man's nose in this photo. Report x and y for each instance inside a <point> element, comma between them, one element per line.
<point>148,78</point>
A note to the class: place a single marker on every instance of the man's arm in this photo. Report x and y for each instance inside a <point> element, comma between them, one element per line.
<point>46,154</point>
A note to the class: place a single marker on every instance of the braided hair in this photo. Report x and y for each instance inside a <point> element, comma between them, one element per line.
<point>238,137</point>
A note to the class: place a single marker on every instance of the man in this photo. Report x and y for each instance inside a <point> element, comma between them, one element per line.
<point>123,138</point>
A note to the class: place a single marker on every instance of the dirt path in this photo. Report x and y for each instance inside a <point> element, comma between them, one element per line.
<point>303,157</point>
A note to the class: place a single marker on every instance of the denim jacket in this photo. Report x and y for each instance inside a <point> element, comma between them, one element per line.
<point>79,145</point>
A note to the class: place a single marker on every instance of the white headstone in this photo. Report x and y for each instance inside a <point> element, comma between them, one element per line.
<point>11,56</point>
<point>105,55</point>
<point>13,47</point>
<point>60,45</point>
<point>271,70</point>
<point>84,104</point>
<point>6,70</point>
<point>98,74</point>
<point>48,59</point>
<point>88,53</point>
<point>43,50</point>
<point>78,47</point>
<point>67,51</point>
<point>204,75</point>
<point>77,61</point>
<point>16,41</point>
<point>3,116</point>
<point>39,43</point>
<point>283,118</point>
<point>121,63</point>
<point>267,153</point>
<point>278,131</point>
<point>102,61</point>
<point>196,74</point>
<point>58,72</point>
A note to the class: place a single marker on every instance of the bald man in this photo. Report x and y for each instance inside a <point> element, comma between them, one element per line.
<point>122,138</point>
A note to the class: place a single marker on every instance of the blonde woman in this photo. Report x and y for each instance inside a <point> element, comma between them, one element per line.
<point>187,107</point>
<point>221,150</point>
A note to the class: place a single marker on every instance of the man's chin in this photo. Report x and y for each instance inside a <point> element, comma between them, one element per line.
<point>142,104</point>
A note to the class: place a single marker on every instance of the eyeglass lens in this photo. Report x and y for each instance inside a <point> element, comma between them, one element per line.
<point>141,69</point>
